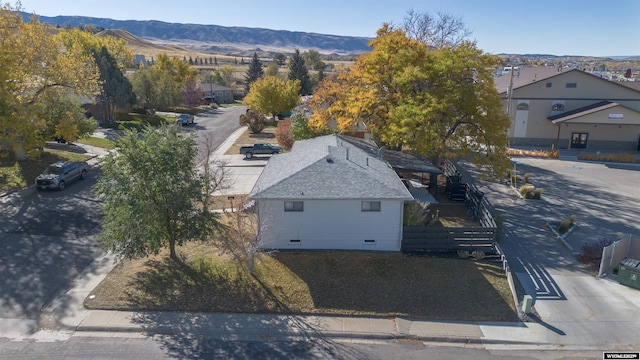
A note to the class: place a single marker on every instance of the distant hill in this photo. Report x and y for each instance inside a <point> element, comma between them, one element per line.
<point>220,39</point>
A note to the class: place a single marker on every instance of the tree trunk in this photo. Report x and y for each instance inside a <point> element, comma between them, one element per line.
<point>172,250</point>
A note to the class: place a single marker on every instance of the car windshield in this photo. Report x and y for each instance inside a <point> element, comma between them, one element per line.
<point>184,116</point>
<point>52,170</point>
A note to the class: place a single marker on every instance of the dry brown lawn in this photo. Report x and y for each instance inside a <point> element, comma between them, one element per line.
<point>348,283</point>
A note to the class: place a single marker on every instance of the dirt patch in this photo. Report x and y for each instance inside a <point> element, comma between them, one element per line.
<point>267,135</point>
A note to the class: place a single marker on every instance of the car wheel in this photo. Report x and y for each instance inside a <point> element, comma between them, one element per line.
<point>249,155</point>
<point>61,185</point>
<point>83,174</point>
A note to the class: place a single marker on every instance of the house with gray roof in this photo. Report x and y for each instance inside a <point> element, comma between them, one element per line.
<point>328,193</point>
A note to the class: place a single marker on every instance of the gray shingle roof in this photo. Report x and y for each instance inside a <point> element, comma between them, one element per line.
<point>328,167</point>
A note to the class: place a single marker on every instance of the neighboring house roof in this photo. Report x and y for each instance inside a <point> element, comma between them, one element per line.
<point>526,76</point>
<point>635,85</point>
<point>590,109</point>
<point>398,160</point>
<point>529,76</point>
<point>328,167</point>
<point>214,87</point>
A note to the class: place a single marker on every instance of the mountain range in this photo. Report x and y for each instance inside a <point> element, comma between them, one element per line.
<point>220,39</point>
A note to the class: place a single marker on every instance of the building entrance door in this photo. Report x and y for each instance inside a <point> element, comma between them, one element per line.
<point>579,140</point>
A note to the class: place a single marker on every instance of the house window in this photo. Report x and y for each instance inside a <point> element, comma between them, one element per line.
<point>523,106</point>
<point>369,242</point>
<point>557,107</point>
<point>548,84</point>
<point>293,206</point>
<point>371,206</point>
<point>572,85</point>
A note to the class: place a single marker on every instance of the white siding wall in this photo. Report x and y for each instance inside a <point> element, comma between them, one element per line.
<point>331,224</point>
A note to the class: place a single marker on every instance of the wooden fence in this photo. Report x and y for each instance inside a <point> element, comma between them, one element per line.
<point>436,239</point>
<point>442,239</point>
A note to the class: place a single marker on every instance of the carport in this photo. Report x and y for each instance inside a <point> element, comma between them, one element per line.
<point>406,164</point>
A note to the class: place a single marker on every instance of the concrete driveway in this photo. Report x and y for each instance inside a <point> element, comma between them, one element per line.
<point>573,306</point>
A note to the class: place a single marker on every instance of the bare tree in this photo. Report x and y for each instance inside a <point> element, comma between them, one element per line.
<point>242,238</point>
<point>214,170</point>
<point>437,31</point>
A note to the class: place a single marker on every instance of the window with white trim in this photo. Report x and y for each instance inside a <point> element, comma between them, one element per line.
<point>371,206</point>
<point>293,206</point>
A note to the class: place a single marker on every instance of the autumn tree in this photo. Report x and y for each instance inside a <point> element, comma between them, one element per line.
<point>153,197</point>
<point>227,76</point>
<point>162,83</point>
<point>89,42</point>
<point>301,130</point>
<point>433,102</point>
<point>191,94</point>
<point>272,95</point>
<point>112,56</point>
<point>36,67</point>
<point>284,135</point>
<point>298,71</point>
<point>272,69</point>
<point>253,73</point>
<point>63,118</point>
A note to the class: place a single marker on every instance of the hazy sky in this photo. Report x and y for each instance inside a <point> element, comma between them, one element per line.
<point>558,27</point>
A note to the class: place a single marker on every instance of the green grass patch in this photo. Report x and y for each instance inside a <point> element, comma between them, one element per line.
<point>18,174</point>
<point>98,142</point>
<point>348,283</point>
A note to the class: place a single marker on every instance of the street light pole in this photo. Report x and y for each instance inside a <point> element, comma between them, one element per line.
<point>211,92</point>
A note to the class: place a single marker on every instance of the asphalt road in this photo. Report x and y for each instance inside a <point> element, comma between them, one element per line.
<point>46,242</point>
<point>185,347</point>
<point>46,238</point>
<point>214,126</point>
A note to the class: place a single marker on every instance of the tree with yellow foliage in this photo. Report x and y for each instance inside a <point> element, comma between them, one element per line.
<point>431,102</point>
<point>36,67</point>
<point>272,95</point>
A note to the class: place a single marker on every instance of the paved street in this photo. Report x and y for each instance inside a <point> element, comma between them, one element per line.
<point>46,242</point>
<point>575,308</point>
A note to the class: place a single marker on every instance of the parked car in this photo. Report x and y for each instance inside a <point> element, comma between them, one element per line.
<point>61,173</point>
<point>185,119</point>
<point>260,148</point>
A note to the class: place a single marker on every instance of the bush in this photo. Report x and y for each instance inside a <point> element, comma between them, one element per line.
<point>284,135</point>
<point>525,189</point>
<point>591,254</point>
<point>526,178</point>
<point>552,154</point>
<point>622,157</point>
<point>415,214</point>
<point>478,255</point>
<point>254,120</point>
<point>530,192</point>
<point>537,194</point>
<point>566,224</point>
<point>463,254</point>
